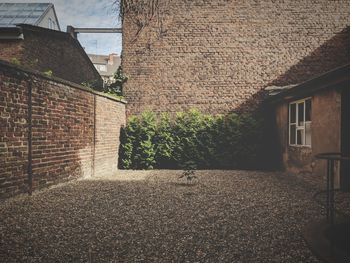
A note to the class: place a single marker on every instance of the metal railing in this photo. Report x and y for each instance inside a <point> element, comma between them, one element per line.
<point>330,190</point>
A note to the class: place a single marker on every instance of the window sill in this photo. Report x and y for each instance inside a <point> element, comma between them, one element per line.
<point>300,146</point>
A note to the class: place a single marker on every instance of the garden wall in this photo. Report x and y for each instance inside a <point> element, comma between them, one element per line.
<point>53,130</point>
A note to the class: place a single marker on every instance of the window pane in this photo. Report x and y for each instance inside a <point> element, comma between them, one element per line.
<point>300,137</point>
<point>308,110</point>
<point>308,133</point>
<point>301,114</point>
<point>292,131</point>
<point>293,114</point>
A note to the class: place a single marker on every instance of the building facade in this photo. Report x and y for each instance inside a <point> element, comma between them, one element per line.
<point>36,14</point>
<point>219,56</point>
<point>106,66</point>
<point>313,118</point>
<point>50,51</point>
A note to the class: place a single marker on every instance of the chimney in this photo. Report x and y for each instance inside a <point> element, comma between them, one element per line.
<point>71,31</point>
<point>111,58</point>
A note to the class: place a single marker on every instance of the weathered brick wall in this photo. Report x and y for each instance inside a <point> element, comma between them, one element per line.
<point>11,50</point>
<point>107,132</point>
<point>74,132</point>
<point>62,132</point>
<point>218,55</point>
<point>43,49</point>
<point>13,134</point>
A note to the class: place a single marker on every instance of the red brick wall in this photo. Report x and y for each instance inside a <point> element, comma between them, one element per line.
<point>13,134</point>
<point>107,132</point>
<point>218,55</point>
<point>11,50</point>
<point>74,132</point>
<point>63,121</point>
<point>43,49</point>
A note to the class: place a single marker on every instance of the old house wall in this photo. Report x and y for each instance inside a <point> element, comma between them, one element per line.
<point>11,50</point>
<point>59,129</point>
<point>325,134</point>
<point>218,55</point>
<point>43,50</point>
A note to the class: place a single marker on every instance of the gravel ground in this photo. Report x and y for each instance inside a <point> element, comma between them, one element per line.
<point>152,216</point>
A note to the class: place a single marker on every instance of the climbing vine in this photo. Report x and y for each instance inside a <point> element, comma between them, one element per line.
<point>143,12</point>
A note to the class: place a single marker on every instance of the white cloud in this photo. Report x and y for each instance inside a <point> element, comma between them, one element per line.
<point>88,13</point>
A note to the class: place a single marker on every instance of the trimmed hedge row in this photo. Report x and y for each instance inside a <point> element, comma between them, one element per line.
<point>191,139</point>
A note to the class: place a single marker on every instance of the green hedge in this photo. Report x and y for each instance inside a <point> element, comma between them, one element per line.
<point>204,141</point>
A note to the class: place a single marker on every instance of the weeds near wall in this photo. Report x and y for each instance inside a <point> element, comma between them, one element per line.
<point>116,87</point>
<point>206,141</point>
<point>48,73</point>
<point>15,61</point>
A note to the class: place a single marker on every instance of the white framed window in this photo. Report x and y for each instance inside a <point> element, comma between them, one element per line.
<point>103,68</point>
<point>100,67</point>
<point>300,122</point>
<point>50,23</point>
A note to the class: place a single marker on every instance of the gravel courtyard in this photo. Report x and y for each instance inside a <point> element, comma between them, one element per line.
<point>152,216</point>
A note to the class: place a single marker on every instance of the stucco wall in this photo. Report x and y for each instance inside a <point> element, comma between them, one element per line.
<point>218,55</point>
<point>45,21</point>
<point>325,134</point>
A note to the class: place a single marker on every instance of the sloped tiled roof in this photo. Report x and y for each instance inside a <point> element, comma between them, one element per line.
<point>22,13</point>
<point>338,77</point>
<point>99,59</point>
<point>103,60</point>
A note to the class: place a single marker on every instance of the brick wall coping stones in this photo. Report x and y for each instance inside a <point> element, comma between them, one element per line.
<point>17,69</point>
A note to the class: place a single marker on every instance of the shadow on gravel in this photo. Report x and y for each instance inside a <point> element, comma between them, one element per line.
<point>229,216</point>
<point>339,235</point>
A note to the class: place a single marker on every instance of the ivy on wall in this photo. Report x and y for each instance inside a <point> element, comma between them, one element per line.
<point>116,87</point>
<point>207,141</point>
<point>144,12</point>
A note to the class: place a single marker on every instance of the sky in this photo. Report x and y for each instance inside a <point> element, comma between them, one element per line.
<point>87,13</point>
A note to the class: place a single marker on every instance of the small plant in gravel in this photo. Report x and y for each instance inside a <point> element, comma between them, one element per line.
<point>189,172</point>
<point>189,175</point>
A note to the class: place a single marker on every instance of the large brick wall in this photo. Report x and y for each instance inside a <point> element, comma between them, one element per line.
<point>218,55</point>
<point>53,130</point>
<point>44,49</point>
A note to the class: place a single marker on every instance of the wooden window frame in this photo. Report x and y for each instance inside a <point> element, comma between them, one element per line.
<point>298,127</point>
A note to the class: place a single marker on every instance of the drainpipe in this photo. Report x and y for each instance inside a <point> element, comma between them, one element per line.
<point>30,168</point>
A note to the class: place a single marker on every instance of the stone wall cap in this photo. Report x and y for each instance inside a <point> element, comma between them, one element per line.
<point>18,69</point>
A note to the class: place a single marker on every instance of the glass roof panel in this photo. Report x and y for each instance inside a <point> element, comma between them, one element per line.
<point>6,21</point>
<point>17,13</point>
